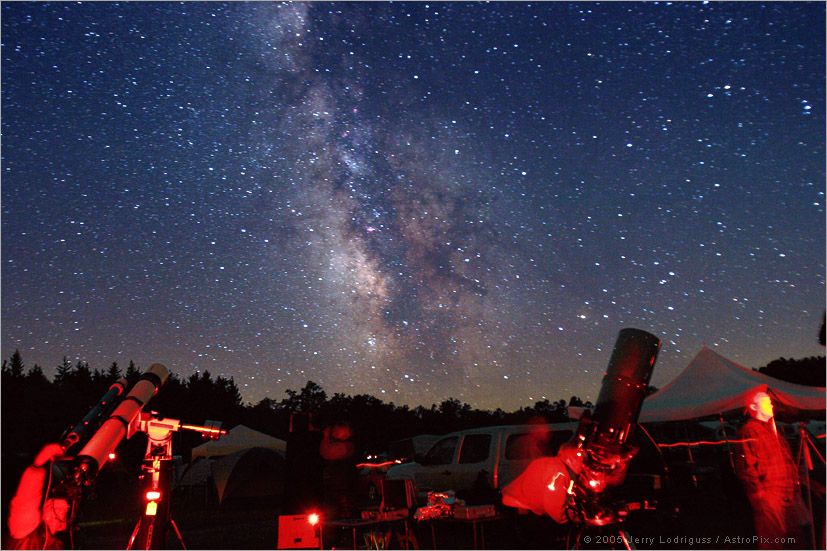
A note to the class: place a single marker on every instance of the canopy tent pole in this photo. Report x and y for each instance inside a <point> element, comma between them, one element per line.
<point>689,445</point>
<point>692,466</point>
<point>728,446</point>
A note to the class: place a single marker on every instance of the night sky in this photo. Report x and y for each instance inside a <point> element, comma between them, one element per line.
<point>416,201</point>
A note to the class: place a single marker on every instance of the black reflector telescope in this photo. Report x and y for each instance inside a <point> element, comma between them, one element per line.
<point>624,388</point>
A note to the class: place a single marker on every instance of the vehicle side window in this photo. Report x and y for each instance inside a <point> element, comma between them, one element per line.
<point>527,445</point>
<point>442,452</point>
<point>559,438</point>
<point>521,446</point>
<point>475,448</point>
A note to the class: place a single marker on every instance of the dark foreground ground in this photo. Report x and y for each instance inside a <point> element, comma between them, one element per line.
<point>708,513</point>
<point>700,522</point>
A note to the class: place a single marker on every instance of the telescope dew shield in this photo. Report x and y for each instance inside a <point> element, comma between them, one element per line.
<point>120,423</point>
<point>624,387</point>
<point>103,407</point>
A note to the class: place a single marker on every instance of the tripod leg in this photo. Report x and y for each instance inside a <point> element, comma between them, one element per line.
<point>804,446</point>
<point>178,533</point>
<point>134,534</point>
<point>627,543</point>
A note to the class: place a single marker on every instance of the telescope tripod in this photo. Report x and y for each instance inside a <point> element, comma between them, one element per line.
<point>603,526</point>
<point>805,448</point>
<point>151,529</point>
<point>175,526</point>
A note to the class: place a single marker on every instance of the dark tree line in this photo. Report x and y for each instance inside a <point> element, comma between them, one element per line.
<point>807,371</point>
<point>36,410</point>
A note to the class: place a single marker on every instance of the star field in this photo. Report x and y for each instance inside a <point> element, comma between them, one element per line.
<point>410,200</point>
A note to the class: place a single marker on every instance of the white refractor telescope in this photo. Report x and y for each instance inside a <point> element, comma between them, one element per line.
<point>124,421</point>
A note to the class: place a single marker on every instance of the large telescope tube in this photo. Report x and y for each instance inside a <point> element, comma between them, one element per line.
<point>604,434</point>
<point>121,422</point>
<point>570,487</point>
<point>624,388</point>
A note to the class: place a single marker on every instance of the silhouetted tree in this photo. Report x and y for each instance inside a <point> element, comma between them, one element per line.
<point>173,400</point>
<point>229,390</point>
<point>267,417</point>
<point>63,371</point>
<point>36,377</point>
<point>16,365</point>
<point>453,408</point>
<point>310,399</point>
<point>132,374</point>
<point>82,373</point>
<point>113,373</point>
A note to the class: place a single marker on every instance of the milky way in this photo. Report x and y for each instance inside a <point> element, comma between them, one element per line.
<point>415,201</point>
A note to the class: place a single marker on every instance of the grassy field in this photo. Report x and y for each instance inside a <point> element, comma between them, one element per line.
<point>257,528</point>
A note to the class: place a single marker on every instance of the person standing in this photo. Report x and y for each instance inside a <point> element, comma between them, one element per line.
<point>35,520</point>
<point>770,478</point>
<point>340,472</point>
<point>304,467</point>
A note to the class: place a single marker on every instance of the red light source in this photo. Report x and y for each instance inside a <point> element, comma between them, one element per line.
<point>112,456</point>
<point>153,495</point>
<point>313,519</point>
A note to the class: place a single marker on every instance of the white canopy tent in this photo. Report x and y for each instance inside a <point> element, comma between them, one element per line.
<point>237,439</point>
<point>712,384</point>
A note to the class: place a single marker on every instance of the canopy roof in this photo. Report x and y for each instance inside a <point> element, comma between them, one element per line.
<point>712,384</point>
<point>237,439</point>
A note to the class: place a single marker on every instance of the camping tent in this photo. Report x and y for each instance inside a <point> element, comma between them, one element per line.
<point>712,384</point>
<point>250,473</point>
<point>243,463</point>
<point>245,474</point>
<point>237,439</point>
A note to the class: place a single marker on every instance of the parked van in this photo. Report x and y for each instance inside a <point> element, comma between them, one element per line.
<point>496,455</point>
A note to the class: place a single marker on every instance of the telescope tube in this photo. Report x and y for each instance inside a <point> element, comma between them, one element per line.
<point>102,407</point>
<point>119,424</point>
<point>624,387</point>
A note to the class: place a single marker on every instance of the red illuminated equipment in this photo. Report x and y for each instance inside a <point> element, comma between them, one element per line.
<point>603,436</point>
<point>572,486</point>
<point>300,531</point>
<point>123,417</point>
<point>151,529</point>
<point>119,414</point>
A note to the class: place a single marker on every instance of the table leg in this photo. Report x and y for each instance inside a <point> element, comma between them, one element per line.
<point>482,534</point>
